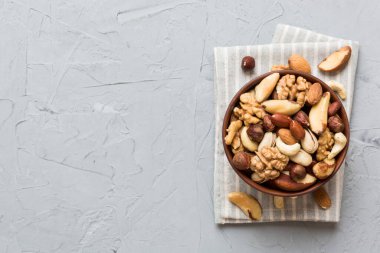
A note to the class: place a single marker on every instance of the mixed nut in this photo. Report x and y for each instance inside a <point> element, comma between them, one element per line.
<point>286,133</point>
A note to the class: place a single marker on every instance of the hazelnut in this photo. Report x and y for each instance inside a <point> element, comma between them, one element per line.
<point>248,63</point>
<point>268,124</point>
<point>289,166</point>
<point>297,172</point>
<point>314,94</point>
<point>241,160</point>
<point>302,118</point>
<point>333,108</point>
<point>281,120</point>
<point>335,124</point>
<point>255,132</point>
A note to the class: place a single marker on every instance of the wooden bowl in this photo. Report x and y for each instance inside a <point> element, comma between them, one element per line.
<point>264,187</point>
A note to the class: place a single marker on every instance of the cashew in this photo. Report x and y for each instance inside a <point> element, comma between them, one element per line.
<point>267,141</point>
<point>232,129</point>
<point>302,157</point>
<point>286,149</point>
<point>246,141</point>
<point>247,203</point>
<point>340,143</point>
<point>338,88</point>
<point>309,143</point>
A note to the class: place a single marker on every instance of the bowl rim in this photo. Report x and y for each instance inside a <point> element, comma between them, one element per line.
<point>276,192</point>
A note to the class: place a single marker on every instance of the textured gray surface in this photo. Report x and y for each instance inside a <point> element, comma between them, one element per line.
<point>107,125</point>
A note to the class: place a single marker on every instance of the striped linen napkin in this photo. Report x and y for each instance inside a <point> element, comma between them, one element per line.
<point>228,80</point>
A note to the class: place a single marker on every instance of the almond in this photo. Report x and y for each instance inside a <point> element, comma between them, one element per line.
<point>297,130</point>
<point>297,62</point>
<point>333,108</point>
<point>286,136</point>
<point>322,198</point>
<point>314,94</point>
<point>281,120</point>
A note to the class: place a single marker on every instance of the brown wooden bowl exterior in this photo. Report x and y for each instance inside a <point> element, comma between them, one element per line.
<point>263,188</point>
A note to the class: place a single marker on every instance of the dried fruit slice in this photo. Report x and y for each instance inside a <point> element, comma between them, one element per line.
<point>322,198</point>
<point>266,86</point>
<point>318,114</point>
<point>336,60</point>
<point>247,203</point>
<point>281,106</point>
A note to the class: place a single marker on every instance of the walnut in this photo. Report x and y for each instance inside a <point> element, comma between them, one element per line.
<point>245,116</point>
<point>284,85</point>
<point>236,143</point>
<point>275,158</point>
<point>290,88</point>
<point>302,87</point>
<point>326,142</point>
<point>232,129</point>
<point>249,104</point>
<point>267,164</point>
<point>257,164</point>
<point>302,84</point>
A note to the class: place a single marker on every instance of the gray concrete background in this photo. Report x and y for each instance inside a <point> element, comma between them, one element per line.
<point>106,122</point>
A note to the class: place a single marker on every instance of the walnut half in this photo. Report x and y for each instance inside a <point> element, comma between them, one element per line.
<point>267,164</point>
